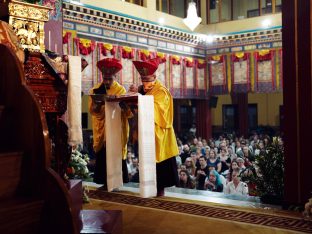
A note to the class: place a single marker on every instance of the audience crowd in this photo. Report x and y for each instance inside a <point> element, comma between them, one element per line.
<point>220,165</point>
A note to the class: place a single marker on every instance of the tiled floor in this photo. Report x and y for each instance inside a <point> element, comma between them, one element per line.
<point>198,195</point>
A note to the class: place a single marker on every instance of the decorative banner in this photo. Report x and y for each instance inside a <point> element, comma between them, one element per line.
<point>66,36</point>
<point>265,73</point>
<point>127,74</point>
<point>67,43</point>
<point>200,77</point>
<point>189,62</point>
<point>188,75</point>
<point>145,54</point>
<point>240,72</point>
<point>175,59</point>
<point>161,72</point>
<point>176,76</point>
<point>162,57</point>
<point>85,46</point>
<point>127,52</point>
<point>217,74</point>
<point>107,50</point>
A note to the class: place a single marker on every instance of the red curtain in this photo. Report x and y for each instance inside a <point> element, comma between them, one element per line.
<point>241,100</point>
<point>203,119</point>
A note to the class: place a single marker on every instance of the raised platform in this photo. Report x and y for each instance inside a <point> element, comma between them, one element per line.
<point>286,222</point>
<point>101,221</point>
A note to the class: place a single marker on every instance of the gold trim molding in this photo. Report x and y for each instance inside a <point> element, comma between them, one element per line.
<point>29,11</point>
<point>28,21</point>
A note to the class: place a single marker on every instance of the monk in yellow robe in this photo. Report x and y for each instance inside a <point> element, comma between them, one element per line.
<point>165,139</point>
<point>109,67</point>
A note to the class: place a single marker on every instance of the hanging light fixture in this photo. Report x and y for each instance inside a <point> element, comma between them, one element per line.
<point>192,20</point>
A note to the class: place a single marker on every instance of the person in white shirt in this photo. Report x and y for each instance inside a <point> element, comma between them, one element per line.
<point>236,186</point>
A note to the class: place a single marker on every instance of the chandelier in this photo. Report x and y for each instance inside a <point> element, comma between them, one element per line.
<point>192,20</point>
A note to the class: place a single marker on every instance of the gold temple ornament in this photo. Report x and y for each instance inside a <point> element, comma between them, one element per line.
<point>28,21</point>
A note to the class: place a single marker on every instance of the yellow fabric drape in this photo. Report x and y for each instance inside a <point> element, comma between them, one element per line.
<point>252,72</point>
<point>98,120</point>
<point>239,54</point>
<point>229,73</point>
<point>108,46</point>
<point>277,68</point>
<point>165,139</point>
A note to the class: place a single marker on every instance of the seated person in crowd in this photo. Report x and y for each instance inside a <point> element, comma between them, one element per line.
<point>190,167</point>
<point>185,153</point>
<point>241,164</point>
<point>225,160</point>
<point>185,180</point>
<point>134,172</point>
<point>236,186</point>
<point>201,172</point>
<point>213,182</point>
<point>213,162</point>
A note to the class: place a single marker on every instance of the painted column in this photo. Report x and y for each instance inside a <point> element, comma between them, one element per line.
<point>297,100</point>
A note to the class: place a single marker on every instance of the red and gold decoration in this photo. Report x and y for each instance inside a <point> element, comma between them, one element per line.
<point>162,57</point>
<point>127,52</point>
<point>85,46</point>
<point>201,63</point>
<point>240,72</point>
<point>66,37</point>
<point>189,62</point>
<point>107,49</point>
<point>145,55</point>
<point>186,76</point>
<point>175,59</point>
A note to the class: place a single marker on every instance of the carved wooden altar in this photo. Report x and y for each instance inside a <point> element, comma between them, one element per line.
<point>51,93</point>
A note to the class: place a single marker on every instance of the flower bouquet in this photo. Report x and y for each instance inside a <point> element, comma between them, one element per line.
<point>77,167</point>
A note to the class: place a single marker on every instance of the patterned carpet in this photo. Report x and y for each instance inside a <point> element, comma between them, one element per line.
<point>287,223</point>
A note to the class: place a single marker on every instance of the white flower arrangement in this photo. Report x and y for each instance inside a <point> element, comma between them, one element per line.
<point>77,167</point>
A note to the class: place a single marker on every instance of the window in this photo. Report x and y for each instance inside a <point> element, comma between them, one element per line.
<point>278,6</point>
<point>230,118</point>
<point>176,7</point>
<point>214,11</point>
<point>226,10</point>
<point>266,7</point>
<point>252,117</point>
<point>137,2</point>
<point>245,9</point>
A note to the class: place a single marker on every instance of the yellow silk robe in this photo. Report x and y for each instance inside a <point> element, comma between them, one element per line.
<point>165,139</point>
<point>98,120</point>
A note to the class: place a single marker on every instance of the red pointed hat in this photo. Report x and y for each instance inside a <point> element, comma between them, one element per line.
<point>109,66</point>
<point>147,69</point>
